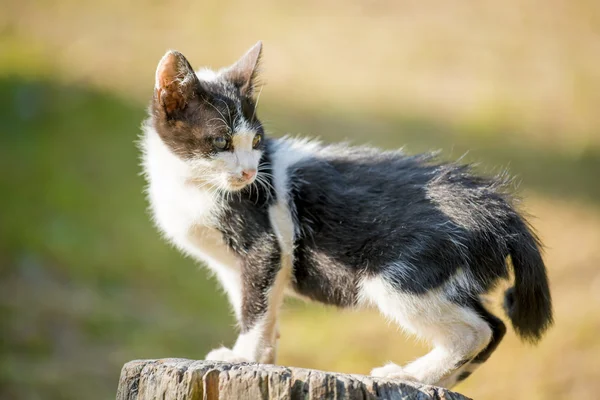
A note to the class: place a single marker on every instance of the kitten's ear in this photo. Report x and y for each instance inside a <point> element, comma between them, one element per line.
<point>176,82</point>
<point>244,72</point>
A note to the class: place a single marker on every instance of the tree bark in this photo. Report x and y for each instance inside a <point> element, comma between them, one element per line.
<point>173,378</point>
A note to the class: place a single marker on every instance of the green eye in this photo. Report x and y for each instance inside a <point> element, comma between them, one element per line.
<point>256,141</point>
<point>220,142</point>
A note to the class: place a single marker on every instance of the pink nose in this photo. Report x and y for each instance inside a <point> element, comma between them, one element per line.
<point>248,174</point>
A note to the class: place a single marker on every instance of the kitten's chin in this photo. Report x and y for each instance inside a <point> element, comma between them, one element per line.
<point>225,186</point>
<point>236,187</point>
<point>235,183</point>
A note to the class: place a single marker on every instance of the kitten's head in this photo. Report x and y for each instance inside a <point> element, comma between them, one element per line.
<point>209,120</point>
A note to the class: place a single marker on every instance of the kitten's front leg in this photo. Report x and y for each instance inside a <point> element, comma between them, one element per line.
<point>231,281</point>
<point>264,278</point>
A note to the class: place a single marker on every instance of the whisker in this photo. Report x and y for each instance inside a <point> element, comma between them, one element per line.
<point>256,104</point>
<point>219,119</point>
<point>228,110</point>
<point>256,182</point>
<point>268,174</point>
<point>219,111</point>
<point>269,189</point>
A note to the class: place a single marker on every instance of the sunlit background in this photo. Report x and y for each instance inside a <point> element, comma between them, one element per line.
<point>86,283</point>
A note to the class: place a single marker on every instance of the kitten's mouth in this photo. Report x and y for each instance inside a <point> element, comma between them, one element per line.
<point>239,184</point>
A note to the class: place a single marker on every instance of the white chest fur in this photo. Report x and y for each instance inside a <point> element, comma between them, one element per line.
<point>182,211</point>
<point>186,214</point>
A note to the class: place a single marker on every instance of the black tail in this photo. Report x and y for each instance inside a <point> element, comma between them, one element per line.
<point>528,304</point>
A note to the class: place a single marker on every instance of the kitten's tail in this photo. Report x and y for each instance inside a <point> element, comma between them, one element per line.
<point>528,304</point>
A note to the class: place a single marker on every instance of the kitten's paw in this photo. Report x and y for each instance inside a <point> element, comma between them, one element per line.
<point>392,371</point>
<point>225,354</point>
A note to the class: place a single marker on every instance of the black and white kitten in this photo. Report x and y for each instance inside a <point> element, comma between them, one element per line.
<point>419,239</point>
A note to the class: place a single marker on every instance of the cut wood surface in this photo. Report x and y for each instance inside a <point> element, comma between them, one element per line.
<point>173,378</point>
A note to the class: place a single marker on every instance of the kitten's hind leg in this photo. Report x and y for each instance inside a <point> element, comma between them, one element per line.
<point>498,331</point>
<point>457,332</point>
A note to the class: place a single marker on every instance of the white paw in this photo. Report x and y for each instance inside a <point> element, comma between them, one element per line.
<point>225,354</point>
<point>392,371</point>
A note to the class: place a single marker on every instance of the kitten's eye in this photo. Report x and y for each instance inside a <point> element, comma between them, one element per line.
<point>221,143</point>
<point>256,141</point>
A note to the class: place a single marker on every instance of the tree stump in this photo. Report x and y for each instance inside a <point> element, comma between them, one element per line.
<point>173,378</point>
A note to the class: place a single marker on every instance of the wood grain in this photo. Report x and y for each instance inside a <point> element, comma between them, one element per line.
<point>170,379</point>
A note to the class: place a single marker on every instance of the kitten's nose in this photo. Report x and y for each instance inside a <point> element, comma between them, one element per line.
<point>248,174</point>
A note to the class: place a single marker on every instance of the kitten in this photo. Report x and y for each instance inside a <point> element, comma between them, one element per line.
<point>419,239</point>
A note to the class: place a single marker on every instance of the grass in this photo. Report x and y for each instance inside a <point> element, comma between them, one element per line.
<point>86,283</point>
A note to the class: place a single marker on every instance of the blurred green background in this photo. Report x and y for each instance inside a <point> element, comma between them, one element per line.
<point>86,283</point>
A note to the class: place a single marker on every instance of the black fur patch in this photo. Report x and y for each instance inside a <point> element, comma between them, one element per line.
<point>498,332</point>
<point>410,219</point>
<point>463,375</point>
